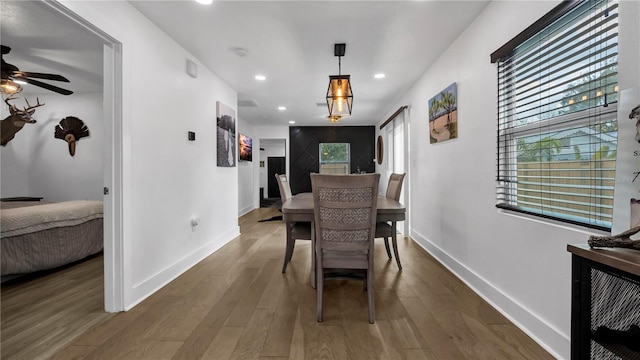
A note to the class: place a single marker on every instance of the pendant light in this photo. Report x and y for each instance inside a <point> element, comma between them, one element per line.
<point>339,94</point>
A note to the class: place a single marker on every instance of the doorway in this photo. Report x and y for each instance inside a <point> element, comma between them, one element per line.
<point>112,157</point>
<point>271,148</point>
<point>276,165</point>
<point>397,159</point>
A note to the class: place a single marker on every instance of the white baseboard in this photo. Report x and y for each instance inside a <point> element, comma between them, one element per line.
<point>246,209</point>
<point>146,288</point>
<point>547,336</point>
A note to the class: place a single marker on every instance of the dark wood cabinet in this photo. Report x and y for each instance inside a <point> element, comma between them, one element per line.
<point>605,305</point>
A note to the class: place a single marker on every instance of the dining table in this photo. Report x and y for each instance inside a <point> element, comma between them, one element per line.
<point>299,208</point>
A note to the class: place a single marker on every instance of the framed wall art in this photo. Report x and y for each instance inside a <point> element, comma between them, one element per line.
<point>443,115</point>
<point>245,147</point>
<point>225,135</point>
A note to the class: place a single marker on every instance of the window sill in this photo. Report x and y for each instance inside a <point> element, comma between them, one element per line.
<point>555,223</point>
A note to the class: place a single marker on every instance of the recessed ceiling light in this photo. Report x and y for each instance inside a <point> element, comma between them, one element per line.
<point>282,108</point>
<point>379,76</point>
<point>292,122</point>
<point>205,2</point>
<point>261,77</point>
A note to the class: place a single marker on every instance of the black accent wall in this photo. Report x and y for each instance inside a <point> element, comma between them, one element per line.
<point>304,151</point>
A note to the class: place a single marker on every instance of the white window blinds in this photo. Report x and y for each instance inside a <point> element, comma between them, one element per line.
<point>557,119</point>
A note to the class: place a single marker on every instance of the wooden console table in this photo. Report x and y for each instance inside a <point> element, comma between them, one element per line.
<point>605,305</point>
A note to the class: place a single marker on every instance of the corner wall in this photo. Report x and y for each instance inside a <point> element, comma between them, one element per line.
<point>246,170</point>
<point>518,264</point>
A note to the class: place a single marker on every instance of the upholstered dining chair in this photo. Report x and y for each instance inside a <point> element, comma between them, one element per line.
<point>345,209</point>
<point>385,229</point>
<point>295,230</point>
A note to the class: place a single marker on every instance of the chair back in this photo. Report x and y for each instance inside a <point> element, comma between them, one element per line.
<point>345,211</point>
<point>394,188</point>
<point>285,188</point>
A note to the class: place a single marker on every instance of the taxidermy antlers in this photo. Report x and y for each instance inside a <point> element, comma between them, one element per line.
<point>16,120</point>
<point>622,240</point>
<point>71,129</point>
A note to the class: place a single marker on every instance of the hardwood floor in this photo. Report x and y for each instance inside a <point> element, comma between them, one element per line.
<point>236,304</point>
<point>44,311</point>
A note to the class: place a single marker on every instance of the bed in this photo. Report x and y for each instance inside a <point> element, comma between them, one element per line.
<point>39,236</point>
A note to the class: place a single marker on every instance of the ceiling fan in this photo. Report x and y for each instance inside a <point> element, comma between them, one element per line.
<point>12,77</point>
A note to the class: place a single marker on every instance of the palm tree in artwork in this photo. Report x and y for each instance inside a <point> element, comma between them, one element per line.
<point>433,110</point>
<point>448,102</point>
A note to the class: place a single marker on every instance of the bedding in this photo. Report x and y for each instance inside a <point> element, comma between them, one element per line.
<point>38,236</point>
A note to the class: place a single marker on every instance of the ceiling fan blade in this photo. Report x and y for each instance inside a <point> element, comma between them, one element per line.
<point>47,86</point>
<point>23,74</point>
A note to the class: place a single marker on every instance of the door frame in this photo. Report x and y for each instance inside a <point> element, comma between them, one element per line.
<point>388,165</point>
<point>112,152</point>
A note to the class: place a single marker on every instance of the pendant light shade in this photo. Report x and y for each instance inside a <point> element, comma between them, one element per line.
<point>339,94</point>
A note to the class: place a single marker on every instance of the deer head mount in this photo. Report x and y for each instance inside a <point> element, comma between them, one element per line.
<point>13,123</point>
<point>71,129</point>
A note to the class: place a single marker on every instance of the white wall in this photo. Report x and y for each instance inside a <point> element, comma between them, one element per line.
<point>246,171</point>
<point>518,264</point>
<point>167,180</point>
<point>49,171</point>
<point>15,155</point>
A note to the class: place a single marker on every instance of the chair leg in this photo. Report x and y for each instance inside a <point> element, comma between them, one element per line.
<point>372,311</point>
<point>386,246</point>
<point>395,250</point>
<point>289,249</point>
<point>319,290</point>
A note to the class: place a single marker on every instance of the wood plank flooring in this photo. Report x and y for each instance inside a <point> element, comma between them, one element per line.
<point>236,304</point>
<point>44,311</point>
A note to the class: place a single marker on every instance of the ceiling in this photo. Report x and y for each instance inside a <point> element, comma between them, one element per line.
<point>42,40</point>
<point>289,42</point>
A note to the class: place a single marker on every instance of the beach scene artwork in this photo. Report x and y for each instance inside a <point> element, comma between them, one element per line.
<point>443,115</point>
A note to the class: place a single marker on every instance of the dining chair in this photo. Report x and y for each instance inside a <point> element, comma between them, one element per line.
<point>385,229</point>
<point>295,230</point>
<point>345,219</point>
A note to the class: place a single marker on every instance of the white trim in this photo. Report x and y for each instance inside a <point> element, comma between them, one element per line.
<point>113,178</point>
<point>406,113</point>
<point>246,209</point>
<point>543,333</point>
<point>149,286</point>
<point>559,224</point>
<point>113,253</point>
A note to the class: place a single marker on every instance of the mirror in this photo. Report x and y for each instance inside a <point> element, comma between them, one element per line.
<point>380,150</point>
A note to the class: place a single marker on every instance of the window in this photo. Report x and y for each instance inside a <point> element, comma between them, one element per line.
<point>334,158</point>
<point>557,115</point>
